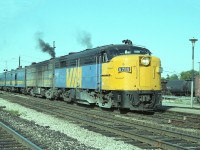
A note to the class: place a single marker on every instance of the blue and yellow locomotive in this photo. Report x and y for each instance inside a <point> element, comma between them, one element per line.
<point>120,76</point>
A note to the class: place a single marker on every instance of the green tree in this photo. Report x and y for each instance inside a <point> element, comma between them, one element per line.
<point>172,77</point>
<point>187,75</point>
<point>163,78</point>
<point>167,78</point>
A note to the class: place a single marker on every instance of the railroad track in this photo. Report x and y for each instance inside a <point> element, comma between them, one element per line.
<point>180,119</point>
<point>176,119</point>
<point>133,131</point>
<point>10,139</point>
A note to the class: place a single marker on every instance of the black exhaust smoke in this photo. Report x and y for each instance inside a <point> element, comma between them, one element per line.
<point>84,38</point>
<point>45,47</point>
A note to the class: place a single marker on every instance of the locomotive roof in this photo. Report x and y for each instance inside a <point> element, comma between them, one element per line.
<point>98,50</point>
<point>94,51</point>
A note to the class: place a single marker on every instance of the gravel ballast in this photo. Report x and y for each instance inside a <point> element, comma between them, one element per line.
<point>58,133</point>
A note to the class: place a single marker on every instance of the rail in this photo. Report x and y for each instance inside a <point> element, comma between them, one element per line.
<point>25,142</point>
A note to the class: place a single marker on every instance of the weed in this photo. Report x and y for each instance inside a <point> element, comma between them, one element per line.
<point>14,113</point>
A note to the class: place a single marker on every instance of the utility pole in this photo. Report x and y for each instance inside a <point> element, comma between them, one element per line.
<point>6,67</point>
<point>53,70</point>
<point>193,40</point>
<point>54,46</point>
<point>19,62</point>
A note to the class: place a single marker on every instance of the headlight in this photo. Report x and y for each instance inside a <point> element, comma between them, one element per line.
<point>145,61</point>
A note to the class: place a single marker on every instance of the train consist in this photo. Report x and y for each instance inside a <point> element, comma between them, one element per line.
<point>123,76</point>
<point>181,87</point>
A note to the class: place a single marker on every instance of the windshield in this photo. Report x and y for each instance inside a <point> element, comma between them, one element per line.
<point>126,51</point>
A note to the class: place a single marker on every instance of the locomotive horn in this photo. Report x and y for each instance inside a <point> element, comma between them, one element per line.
<point>127,41</point>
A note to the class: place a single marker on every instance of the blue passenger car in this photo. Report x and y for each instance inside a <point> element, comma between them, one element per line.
<point>8,78</point>
<point>2,80</point>
<point>20,78</point>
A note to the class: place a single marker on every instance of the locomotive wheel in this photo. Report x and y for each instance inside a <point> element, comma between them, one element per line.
<point>49,94</point>
<point>66,96</point>
<point>32,93</point>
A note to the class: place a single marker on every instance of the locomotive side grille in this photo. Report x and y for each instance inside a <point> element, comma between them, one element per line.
<point>130,97</point>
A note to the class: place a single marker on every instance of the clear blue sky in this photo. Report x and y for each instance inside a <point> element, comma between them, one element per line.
<point>163,26</point>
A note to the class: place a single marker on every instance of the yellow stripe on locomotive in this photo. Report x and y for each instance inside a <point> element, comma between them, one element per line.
<point>74,77</point>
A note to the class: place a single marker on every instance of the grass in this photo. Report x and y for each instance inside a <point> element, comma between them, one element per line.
<point>14,113</point>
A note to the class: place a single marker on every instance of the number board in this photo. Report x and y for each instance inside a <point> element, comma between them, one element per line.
<point>124,69</point>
